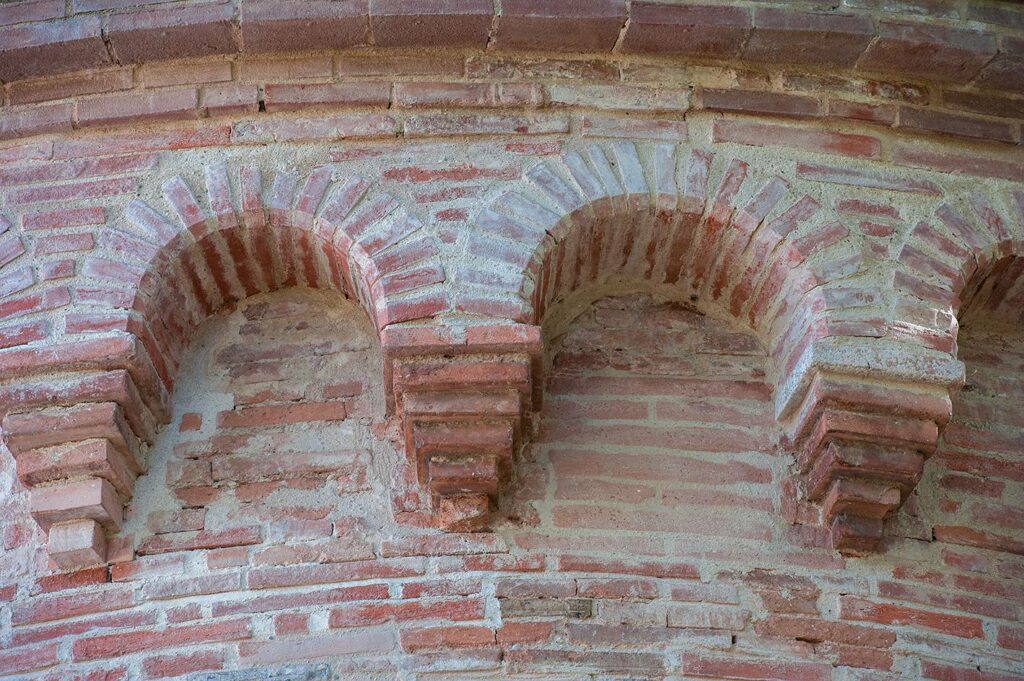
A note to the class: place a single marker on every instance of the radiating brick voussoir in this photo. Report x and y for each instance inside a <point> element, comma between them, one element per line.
<point>584,27</point>
<point>12,247</point>
<point>395,263</point>
<point>960,248</point>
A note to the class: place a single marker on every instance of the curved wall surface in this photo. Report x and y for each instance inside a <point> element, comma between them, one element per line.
<point>486,339</point>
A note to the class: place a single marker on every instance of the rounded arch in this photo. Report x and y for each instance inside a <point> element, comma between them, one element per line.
<point>91,405</point>
<point>968,267</point>
<point>266,231</point>
<point>969,260</point>
<point>666,214</point>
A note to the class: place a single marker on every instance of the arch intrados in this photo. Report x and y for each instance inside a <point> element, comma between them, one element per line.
<point>259,235</point>
<point>677,217</point>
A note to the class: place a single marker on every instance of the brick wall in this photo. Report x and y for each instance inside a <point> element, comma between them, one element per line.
<point>643,536</point>
<point>632,340</point>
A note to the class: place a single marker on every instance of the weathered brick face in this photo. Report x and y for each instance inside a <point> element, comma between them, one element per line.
<point>642,535</point>
<point>275,432</point>
<point>647,339</point>
<point>657,423</point>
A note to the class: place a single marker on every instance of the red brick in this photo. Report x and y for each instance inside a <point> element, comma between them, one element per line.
<point>695,30</point>
<point>370,614</point>
<point>291,623</point>
<point>1010,637</point>
<point>63,606</point>
<point>784,36</point>
<point>163,75</point>
<point>946,672</point>
<point>334,127</point>
<point>814,630</point>
<point>480,124</point>
<point>819,141</point>
<point>60,87</point>
<point>763,669</point>
<point>36,120</point>
<point>861,609</point>
<point>120,644</point>
<point>62,243</point>
<point>188,31</point>
<point>367,644</point>
<point>165,666</point>
<point>73,580</point>
<point>36,150</point>
<point>1005,71</point>
<point>38,10</point>
<point>289,25</point>
<point>446,637</point>
<point>160,105</point>
<point>524,632</point>
<point>125,142</point>
<point>984,103</point>
<point>296,96</point>
<point>771,103</point>
<point>865,178</point>
<point>303,575</point>
<point>38,49</point>
<point>859,111</point>
<point>397,23</point>
<point>191,541</point>
<point>261,604</point>
<point>21,334</point>
<point>249,417</point>
<point>967,536</point>
<point>928,120</point>
<point>21,660</point>
<point>958,163</point>
<point>928,51</point>
<point>575,26</point>
<point>271,69</point>
<point>223,100</point>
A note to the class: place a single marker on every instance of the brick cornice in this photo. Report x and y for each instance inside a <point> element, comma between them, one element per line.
<point>862,398</point>
<point>49,42</point>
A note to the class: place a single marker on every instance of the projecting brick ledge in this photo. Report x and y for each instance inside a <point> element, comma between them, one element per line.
<point>905,45</point>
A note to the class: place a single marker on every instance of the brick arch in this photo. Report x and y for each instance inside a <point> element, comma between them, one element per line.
<point>859,409</point>
<point>652,213</point>
<point>92,403</point>
<point>967,260</point>
<point>197,256</point>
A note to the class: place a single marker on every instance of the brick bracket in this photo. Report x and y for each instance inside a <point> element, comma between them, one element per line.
<point>462,396</point>
<point>862,415</point>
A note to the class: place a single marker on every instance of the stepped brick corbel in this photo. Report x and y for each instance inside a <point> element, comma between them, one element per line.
<point>861,416</point>
<point>80,462</point>
<point>463,396</point>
